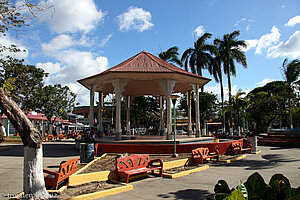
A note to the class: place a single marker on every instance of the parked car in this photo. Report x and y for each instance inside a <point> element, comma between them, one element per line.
<point>181,132</point>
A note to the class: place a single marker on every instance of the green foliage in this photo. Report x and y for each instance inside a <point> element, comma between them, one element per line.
<point>270,102</point>
<point>255,188</point>
<point>198,57</point>
<point>171,56</point>
<point>22,82</point>
<point>207,101</point>
<point>55,101</point>
<point>221,190</point>
<point>145,110</point>
<point>235,195</point>
<point>10,16</point>
<point>242,188</point>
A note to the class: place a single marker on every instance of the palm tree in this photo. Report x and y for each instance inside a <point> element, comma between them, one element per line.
<point>199,57</point>
<point>291,72</point>
<point>216,71</point>
<point>230,52</point>
<point>171,56</point>
<point>239,103</point>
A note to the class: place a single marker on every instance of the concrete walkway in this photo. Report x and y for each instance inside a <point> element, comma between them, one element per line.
<point>194,186</point>
<point>200,185</point>
<point>11,163</point>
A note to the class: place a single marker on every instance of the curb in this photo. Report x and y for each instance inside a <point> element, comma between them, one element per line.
<point>257,152</point>
<point>176,163</point>
<point>187,172</point>
<point>104,193</point>
<point>233,159</point>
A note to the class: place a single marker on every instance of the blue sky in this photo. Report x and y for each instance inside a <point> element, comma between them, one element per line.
<point>78,38</point>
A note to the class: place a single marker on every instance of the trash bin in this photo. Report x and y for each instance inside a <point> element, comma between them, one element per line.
<point>253,142</point>
<point>86,152</point>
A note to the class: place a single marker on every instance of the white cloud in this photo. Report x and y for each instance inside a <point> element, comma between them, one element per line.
<point>290,48</point>
<point>250,44</point>
<point>240,21</point>
<point>293,21</point>
<point>7,42</point>
<point>268,40</point>
<point>58,43</point>
<point>77,65</point>
<point>71,65</point>
<point>216,90</point>
<point>105,40</point>
<point>248,27</point>
<point>263,82</point>
<point>135,18</point>
<point>199,31</point>
<point>49,67</point>
<point>73,16</point>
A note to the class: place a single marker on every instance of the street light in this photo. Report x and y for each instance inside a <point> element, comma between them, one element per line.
<point>43,125</point>
<point>174,98</point>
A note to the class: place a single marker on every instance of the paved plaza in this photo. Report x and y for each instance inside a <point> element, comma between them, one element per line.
<point>194,186</point>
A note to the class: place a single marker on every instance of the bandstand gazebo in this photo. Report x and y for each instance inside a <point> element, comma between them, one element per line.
<point>144,74</point>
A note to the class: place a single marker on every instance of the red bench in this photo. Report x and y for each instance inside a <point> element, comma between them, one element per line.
<point>66,169</point>
<point>202,153</point>
<point>137,164</point>
<point>240,146</point>
<point>50,138</point>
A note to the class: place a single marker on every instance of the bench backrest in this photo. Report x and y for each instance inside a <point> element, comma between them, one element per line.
<point>132,162</point>
<point>67,168</point>
<point>237,144</point>
<point>200,152</point>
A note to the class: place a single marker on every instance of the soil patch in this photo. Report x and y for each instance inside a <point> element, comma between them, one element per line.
<point>87,188</point>
<point>176,170</point>
<point>108,162</point>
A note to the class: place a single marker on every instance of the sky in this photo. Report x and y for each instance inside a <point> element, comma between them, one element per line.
<point>73,39</point>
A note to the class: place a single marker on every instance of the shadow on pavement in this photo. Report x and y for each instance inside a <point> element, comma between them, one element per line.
<point>188,194</point>
<point>269,161</point>
<point>49,150</point>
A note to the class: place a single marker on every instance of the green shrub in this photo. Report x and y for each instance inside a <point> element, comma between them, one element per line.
<point>255,188</point>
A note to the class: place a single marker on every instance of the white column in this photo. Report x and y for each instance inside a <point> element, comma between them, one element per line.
<point>169,117</point>
<point>161,107</point>
<point>92,97</point>
<point>118,88</point>
<point>170,86</point>
<point>118,113</point>
<point>189,104</point>
<point>197,108</point>
<point>128,105</point>
<point>100,107</point>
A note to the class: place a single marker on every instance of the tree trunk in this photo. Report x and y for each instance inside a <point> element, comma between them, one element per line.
<point>33,178</point>
<point>230,104</point>
<point>222,99</point>
<point>290,113</point>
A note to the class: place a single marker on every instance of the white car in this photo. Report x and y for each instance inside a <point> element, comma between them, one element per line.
<point>181,132</point>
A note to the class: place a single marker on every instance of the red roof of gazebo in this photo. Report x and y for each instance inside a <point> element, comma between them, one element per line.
<point>146,62</point>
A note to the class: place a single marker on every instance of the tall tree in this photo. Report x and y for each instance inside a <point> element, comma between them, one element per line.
<point>144,110</point>
<point>230,52</point>
<point>21,81</point>
<point>55,101</point>
<point>239,104</point>
<point>216,71</point>
<point>207,101</point>
<point>33,178</point>
<point>171,56</point>
<point>198,57</point>
<point>291,73</point>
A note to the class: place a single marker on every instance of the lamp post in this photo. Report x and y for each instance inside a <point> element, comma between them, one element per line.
<point>43,125</point>
<point>174,98</point>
